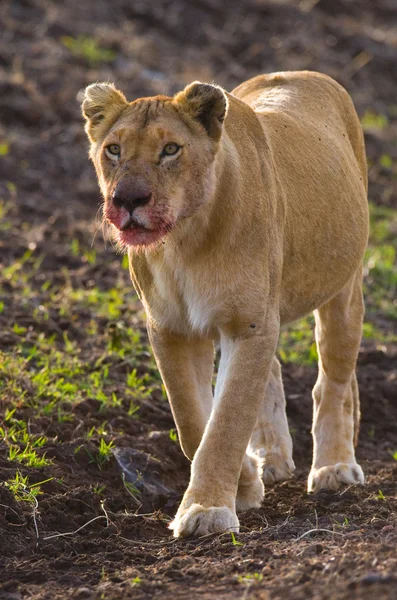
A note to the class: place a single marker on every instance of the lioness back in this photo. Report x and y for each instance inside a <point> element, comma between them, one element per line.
<point>317,146</point>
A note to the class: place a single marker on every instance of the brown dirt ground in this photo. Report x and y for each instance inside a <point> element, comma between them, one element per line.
<point>159,47</point>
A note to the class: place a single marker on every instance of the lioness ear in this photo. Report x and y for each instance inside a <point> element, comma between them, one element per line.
<point>206,103</point>
<point>102,105</point>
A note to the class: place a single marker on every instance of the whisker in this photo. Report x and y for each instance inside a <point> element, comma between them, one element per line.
<point>98,221</point>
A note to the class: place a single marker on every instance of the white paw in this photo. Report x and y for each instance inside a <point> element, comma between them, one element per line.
<point>198,520</point>
<point>334,476</point>
<point>250,495</point>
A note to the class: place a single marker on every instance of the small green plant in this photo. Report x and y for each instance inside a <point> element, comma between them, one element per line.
<point>100,430</point>
<point>394,454</point>
<point>125,263</point>
<point>90,256</point>
<point>137,386</point>
<point>133,410</point>
<point>105,451</point>
<point>103,454</point>
<point>136,582</point>
<point>75,247</point>
<point>4,148</point>
<point>235,542</point>
<point>99,489</point>
<point>250,577</point>
<point>386,161</point>
<point>381,495</point>
<point>345,522</point>
<point>173,435</point>
<point>131,489</point>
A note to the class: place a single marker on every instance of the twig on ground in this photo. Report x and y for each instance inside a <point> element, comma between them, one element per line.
<point>55,535</point>
<point>283,524</point>
<point>106,514</point>
<point>150,544</point>
<point>34,511</point>
<point>316,530</point>
<point>9,508</point>
<point>36,506</point>
<point>347,489</point>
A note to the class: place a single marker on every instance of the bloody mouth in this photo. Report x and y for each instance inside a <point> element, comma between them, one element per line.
<point>132,233</point>
<point>136,235</point>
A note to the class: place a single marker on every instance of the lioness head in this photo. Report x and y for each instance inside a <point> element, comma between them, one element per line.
<point>154,157</point>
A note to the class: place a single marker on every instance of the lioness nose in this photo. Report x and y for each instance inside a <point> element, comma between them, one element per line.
<point>131,193</point>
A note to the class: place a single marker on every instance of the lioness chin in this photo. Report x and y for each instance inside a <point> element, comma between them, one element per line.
<point>241,212</point>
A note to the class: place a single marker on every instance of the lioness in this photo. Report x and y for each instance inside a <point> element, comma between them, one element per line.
<point>241,212</point>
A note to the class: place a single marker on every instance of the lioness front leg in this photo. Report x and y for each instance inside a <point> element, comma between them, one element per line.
<point>336,401</point>
<point>209,504</point>
<point>186,366</point>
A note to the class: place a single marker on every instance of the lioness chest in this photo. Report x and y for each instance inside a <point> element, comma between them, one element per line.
<point>184,301</point>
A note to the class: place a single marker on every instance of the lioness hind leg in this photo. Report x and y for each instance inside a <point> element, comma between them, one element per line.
<point>336,402</point>
<point>356,408</point>
<point>271,440</point>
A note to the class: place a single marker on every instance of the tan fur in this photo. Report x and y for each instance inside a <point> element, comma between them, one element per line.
<point>261,218</point>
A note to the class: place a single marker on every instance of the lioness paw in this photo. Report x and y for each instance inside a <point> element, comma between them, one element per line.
<point>277,468</point>
<point>198,520</point>
<point>250,495</point>
<point>334,476</point>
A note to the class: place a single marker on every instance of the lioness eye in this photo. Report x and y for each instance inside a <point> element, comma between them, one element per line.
<point>170,149</point>
<point>113,149</point>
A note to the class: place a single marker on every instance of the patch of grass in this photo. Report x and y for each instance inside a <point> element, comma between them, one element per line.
<point>89,49</point>
<point>27,456</point>
<point>372,332</point>
<point>101,456</point>
<point>48,371</point>
<point>297,344</point>
<point>380,265</point>
<point>22,490</point>
<point>22,445</point>
<point>372,120</point>
<point>138,387</point>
